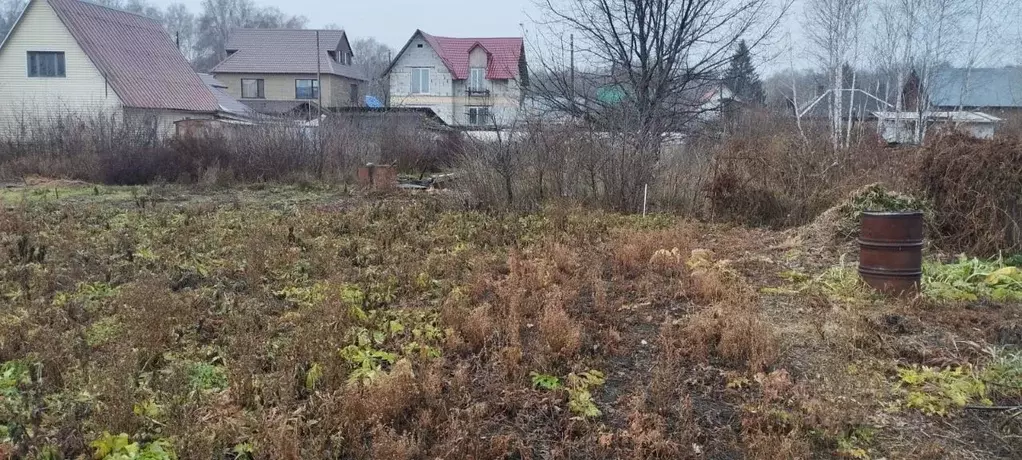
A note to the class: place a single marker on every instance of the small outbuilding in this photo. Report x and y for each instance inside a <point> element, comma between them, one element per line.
<point>900,127</point>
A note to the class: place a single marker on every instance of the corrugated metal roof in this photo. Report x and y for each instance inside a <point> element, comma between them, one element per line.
<point>279,108</point>
<point>136,56</point>
<point>983,87</point>
<point>227,103</point>
<point>290,51</point>
<point>504,54</point>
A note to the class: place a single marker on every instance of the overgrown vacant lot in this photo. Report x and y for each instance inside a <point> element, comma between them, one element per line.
<point>307,323</point>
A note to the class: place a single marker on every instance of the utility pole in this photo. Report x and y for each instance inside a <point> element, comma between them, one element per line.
<point>319,84</point>
<point>386,98</point>
<point>572,82</point>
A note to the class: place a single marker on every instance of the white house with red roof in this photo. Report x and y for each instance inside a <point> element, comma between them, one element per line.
<point>72,57</point>
<point>468,82</point>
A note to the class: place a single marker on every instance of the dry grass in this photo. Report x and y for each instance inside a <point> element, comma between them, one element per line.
<point>561,334</point>
<point>235,317</point>
<point>731,330</point>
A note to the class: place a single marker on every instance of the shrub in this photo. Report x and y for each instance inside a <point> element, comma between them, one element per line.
<point>738,199</point>
<point>974,185</point>
<point>122,150</point>
<point>769,173</point>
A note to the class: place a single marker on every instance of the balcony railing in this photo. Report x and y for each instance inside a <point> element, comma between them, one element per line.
<point>477,92</point>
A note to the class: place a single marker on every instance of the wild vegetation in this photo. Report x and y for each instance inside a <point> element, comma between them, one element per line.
<point>286,322</point>
<point>235,296</point>
<point>101,148</point>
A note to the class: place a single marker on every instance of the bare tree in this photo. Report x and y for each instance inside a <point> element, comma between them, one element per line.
<point>180,24</point>
<point>832,28</point>
<point>916,38</point>
<point>372,58</point>
<point>642,65</point>
<point>220,17</point>
<point>9,12</point>
<point>144,8</point>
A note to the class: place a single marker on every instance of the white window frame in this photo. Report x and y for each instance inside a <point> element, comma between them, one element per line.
<point>260,88</point>
<point>474,112</point>
<point>419,81</point>
<point>477,79</point>
<point>314,88</point>
<point>39,61</point>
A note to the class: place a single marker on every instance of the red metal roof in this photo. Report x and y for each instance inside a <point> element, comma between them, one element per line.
<point>137,57</point>
<point>504,54</point>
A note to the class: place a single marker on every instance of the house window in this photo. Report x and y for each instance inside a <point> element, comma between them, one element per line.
<point>354,93</point>
<point>46,64</point>
<point>476,79</point>
<point>253,88</point>
<point>306,89</point>
<point>420,80</point>
<point>479,116</point>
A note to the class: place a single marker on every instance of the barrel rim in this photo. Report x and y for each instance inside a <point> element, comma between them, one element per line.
<point>892,213</point>
<point>890,243</point>
<point>889,273</point>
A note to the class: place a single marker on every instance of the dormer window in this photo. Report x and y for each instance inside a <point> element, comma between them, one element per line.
<point>340,57</point>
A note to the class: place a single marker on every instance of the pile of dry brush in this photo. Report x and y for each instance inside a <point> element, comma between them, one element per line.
<point>769,174</point>
<point>976,189</point>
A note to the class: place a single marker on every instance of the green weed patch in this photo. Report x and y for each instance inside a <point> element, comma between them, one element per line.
<point>971,279</point>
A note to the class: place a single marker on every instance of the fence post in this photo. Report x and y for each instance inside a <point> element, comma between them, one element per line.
<point>645,194</point>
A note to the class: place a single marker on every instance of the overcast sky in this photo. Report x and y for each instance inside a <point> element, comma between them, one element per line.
<point>393,22</point>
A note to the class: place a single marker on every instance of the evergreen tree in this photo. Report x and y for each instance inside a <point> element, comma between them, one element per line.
<point>742,79</point>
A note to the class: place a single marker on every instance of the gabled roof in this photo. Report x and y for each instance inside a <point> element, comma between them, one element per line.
<point>136,56</point>
<point>504,54</point>
<point>982,87</point>
<point>287,51</point>
<point>228,104</point>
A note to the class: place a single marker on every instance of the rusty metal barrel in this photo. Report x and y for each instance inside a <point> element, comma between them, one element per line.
<point>891,251</point>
